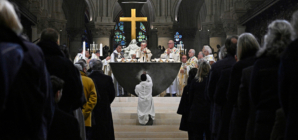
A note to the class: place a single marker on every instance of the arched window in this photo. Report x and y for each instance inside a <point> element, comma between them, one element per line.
<point>142,33</point>
<point>119,36</point>
<point>177,39</point>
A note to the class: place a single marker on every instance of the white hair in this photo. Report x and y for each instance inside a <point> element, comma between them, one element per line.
<point>9,18</point>
<point>280,34</point>
<point>206,47</point>
<point>222,53</point>
<point>294,22</point>
<point>192,51</point>
<point>79,67</point>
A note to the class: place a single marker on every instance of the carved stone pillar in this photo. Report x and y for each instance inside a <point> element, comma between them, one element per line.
<point>75,40</point>
<point>216,33</point>
<point>101,32</point>
<point>165,33</point>
<point>188,35</point>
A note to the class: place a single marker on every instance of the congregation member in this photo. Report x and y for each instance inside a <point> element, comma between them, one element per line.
<point>264,78</point>
<point>146,112</point>
<point>214,76</point>
<point>26,104</point>
<point>247,46</point>
<point>145,53</point>
<point>91,98</point>
<point>58,65</point>
<point>288,96</point>
<point>172,53</point>
<point>184,106</point>
<point>103,128</point>
<point>199,114</point>
<point>64,126</point>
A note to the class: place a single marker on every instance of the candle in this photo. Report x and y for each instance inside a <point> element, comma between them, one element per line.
<point>137,54</point>
<point>171,56</point>
<point>185,51</point>
<point>84,49</point>
<point>100,49</point>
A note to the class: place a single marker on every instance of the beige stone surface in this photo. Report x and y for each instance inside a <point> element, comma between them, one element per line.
<point>165,126</point>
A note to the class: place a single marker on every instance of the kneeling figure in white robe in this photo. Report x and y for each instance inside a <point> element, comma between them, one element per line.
<point>145,101</point>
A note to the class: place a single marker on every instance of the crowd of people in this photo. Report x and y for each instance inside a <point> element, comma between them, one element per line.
<point>43,94</point>
<point>250,93</point>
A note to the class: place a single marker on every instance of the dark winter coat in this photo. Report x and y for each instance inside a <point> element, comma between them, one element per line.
<point>245,103</point>
<point>199,106</point>
<point>238,118</point>
<point>102,113</point>
<point>288,81</point>
<point>73,96</point>
<point>264,94</point>
<point>183,109</point>
<point>29,104</point>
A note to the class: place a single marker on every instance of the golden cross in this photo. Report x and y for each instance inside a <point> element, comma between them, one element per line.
<point>133,19</point>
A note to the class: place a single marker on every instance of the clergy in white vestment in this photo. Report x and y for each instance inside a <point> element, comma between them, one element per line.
<point>173,53</point>
<point>131,49</point>
<point>144,52</point>
<point>208,54</point>
<point>117,55</point>
<point>183,75</point>
<point>106,66</point>
<point>146,112</point>
<point>80,56</point>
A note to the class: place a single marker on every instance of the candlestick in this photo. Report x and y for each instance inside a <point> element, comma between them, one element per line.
<point>84,49</point>
<point>100,49</point>
<point>137,54</point>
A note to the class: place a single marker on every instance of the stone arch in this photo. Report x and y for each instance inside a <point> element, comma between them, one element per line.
<point>176,9</point>
<point>91,8</point>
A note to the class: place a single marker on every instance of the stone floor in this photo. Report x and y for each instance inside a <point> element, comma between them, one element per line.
<point>165,127</point>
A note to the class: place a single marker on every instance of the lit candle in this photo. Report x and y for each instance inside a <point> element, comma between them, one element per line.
<point>100,49</point>
<point>84,49</point>
<point>171,56</point>
<point>185,51</point>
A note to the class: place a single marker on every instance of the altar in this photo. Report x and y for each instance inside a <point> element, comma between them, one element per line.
<point>162,74</point>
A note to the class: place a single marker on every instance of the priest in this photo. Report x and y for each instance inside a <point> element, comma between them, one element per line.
<point>106,66</point>
<point>172,53</point>
<point>192,61</point>
<point>80,56</point>
<point>117,54</point>
<point>144,52</point>
<point>183,75</point>
<point>146,111</point>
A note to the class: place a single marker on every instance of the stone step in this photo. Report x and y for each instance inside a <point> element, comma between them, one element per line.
<point>134,109</point>
<point>159,135</point>
<point>135,104</point>
<point>156,99</point>
<point>141,128</point>
<point>135,116</point>
<point>156,122</point>
<point>152,139</point>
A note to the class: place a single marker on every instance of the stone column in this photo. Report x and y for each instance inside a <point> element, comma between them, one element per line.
<point>216,33</point>
<point>34,33</point>
<point>101,32</point>
<point>188,37</point>
<point>75,41</point>
<point>153,43</point>
<point>165,33</point>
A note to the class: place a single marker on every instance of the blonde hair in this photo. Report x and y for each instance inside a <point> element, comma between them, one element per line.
<point>247,46</point>
<point>203,70</point>
<point>9,18</point>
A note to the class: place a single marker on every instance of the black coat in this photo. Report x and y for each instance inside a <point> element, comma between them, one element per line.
<point>288,81</point>
<point>73,96</point>
<point>64,127</point>
<point>29,105</point>
<point>183,109</point>
<point>222,109</point>
<point>103,128</point>
<point>199,106</point>
<point>215,72</point>
<point>264,94</point>
<point>238,118</point>
<point>245,104</point>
